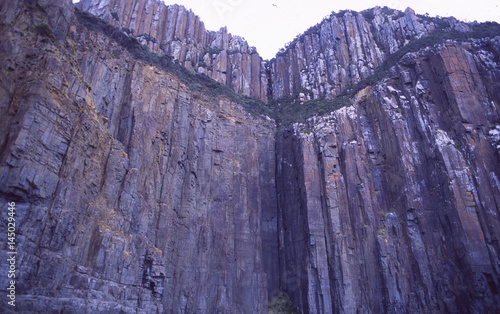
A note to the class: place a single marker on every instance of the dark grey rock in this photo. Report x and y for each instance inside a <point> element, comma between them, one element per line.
<point>137,194</point>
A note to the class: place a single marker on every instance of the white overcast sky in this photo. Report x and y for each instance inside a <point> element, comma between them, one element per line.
<point>269,24</point>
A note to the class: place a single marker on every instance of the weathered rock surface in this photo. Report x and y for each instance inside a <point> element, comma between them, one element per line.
<point>345,48</point>
<point>391,205</point>
<point>136,193</point>
<point>177,32</point>
<point>132,192</point>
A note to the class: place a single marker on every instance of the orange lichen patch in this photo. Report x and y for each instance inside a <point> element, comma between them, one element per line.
<point>470,140</point>
<point>470,198</point>
<point>468,127</point>
<point>335,177</point>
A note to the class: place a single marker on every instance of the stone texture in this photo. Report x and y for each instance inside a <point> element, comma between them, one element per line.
<point>345,48</point>
<point>177,32</point>
<point>391,205</point>
<point>133,193</point>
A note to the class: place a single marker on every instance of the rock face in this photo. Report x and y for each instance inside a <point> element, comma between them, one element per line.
<point>345,48</point>
<point>137,192</point>
<point>179,33</point>
<point>132,192</point>
<point>391,205</point>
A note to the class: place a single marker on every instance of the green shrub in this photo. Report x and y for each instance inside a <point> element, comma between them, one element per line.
<point>128,31</point>
<point>212,50</point>
<point>45,30</point>
<point>486,29</point>
<point>398,14</point>
<point>369,15</point>
<point>440,35</point>
<point>139,51</point>
<point>114,15</point>
<point>202,64</point>
<point>282,304</point>
<point>195,81</point>
<point>287,110</point>
<point>387,11</point>
<point>341,13</point>
<point>148,37</point>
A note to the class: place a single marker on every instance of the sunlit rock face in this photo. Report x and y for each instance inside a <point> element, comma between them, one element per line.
<point>345,48</point>
<point>139,190</point>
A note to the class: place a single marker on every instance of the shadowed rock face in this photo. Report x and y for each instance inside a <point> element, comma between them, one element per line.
<point>179,33</point>
<point>137,193</point>
<point>391,205</point>
<point>132,192</point>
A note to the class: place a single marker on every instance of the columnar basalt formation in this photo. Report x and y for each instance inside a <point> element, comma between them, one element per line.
<point>139,189</point>
<point>177,32</point>
<point>345,48</point>
<point>391,205</point>
<point>132,192</point>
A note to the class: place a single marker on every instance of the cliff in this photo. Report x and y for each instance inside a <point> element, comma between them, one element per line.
<point>345,48</point>
<point>390,205</point>
<point>144,187</point>
<point>179,33</point>
<point>132,191</point>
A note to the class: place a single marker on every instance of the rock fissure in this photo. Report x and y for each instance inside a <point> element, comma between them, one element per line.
<point>142,186</point>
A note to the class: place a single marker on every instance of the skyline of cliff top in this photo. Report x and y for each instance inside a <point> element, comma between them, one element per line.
<point>137,177</point>
<point>282,20</point>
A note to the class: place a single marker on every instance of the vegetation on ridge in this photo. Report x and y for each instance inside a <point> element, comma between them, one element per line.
<point>285,110</point>
<point>488,29</point>
<point>195,81</point>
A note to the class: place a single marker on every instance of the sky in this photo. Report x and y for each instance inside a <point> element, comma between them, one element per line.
<point>270,24</point>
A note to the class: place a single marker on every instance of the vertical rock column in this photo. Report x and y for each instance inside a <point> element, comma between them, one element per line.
<point>177,32</point>
<point>390,205</point>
